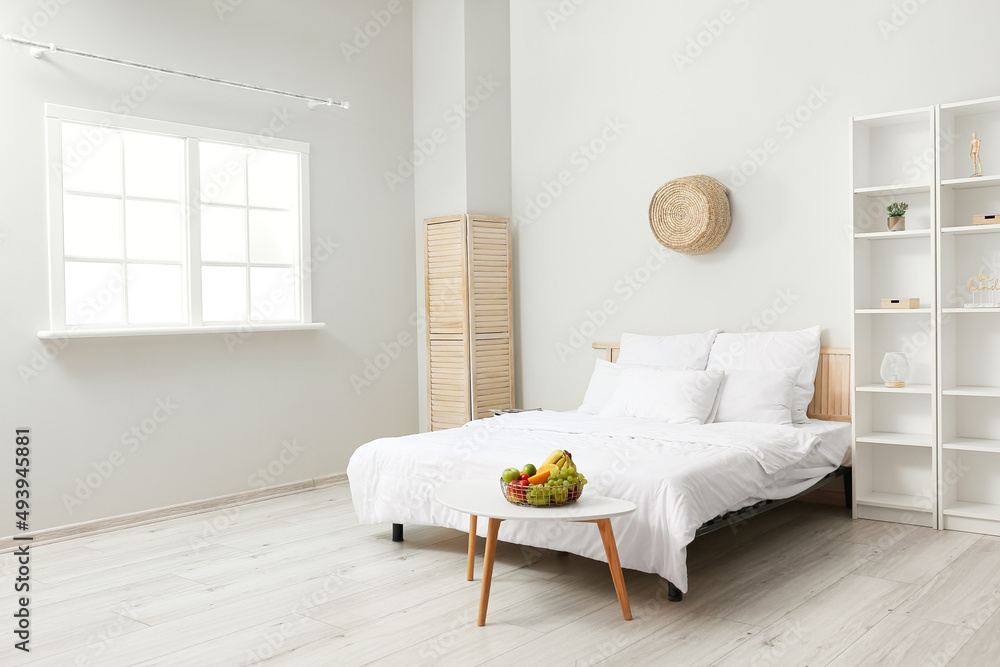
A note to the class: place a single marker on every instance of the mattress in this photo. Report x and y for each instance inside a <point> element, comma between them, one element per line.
<point>679,476</point>
<point>832,451</point>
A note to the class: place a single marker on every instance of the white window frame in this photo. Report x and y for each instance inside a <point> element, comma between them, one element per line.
<point>55,115</point>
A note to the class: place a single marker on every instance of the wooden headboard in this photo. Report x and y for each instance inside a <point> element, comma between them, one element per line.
<point>832,400</point>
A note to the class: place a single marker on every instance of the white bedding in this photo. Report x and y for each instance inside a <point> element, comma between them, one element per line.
<point>679,476</point>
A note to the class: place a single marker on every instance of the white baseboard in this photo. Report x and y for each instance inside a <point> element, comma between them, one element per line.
<point>97,526</point>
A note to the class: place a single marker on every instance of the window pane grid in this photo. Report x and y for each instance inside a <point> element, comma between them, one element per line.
<point>246,265</point>
<point>152,249</point>
<point>72,258</point>
<point>244,207</point>
<point>121,236</point>
<point>103,195</point>
<point>227,187</point>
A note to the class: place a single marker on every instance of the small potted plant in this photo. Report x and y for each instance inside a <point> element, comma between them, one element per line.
<point>897,216</point>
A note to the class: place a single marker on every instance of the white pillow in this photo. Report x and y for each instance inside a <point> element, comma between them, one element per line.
<point>675,397</point>
<point>757,396</point>
<point>603,383</point>
<point>684,351</point>
<point>774,351</point>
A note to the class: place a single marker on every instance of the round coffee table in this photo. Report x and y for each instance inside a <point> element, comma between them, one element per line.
<point>483,498</point>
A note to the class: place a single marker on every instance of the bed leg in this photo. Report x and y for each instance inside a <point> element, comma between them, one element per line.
<point>673,593</point>
<point>848,486</point>
<point>397,532</point>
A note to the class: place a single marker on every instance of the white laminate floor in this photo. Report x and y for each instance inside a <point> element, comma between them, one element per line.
<point>296,581</point>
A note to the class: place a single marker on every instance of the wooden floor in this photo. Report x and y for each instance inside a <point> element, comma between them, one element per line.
<point>296,581</point>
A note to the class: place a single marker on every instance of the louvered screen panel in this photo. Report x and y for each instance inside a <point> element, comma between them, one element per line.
<point>449,393</point>
<point>447,292</point>
<point>490,314</point>
<point>493,388</point>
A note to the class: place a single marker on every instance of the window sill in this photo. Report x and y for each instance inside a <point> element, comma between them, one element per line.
<point>172,331</point>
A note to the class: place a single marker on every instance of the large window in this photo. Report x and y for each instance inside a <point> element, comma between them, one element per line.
<point>160,226</point>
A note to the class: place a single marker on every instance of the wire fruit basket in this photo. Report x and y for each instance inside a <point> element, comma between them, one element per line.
<point>539,495</point>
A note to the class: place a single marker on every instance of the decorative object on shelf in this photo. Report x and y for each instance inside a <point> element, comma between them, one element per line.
<point>897,216</point>
<point>984,289</point>
<point>985,219</point>
<point>977,164</point>
<point>690,214</point>
<point>900,303</point>
<point>895,369</point>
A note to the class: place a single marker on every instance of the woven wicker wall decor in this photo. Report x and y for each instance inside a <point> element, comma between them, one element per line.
<point>690,214</point>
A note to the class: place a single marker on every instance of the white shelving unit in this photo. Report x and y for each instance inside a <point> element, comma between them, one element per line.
<point>929,453</point>
<point>969,344</point>
<point>895,453</point>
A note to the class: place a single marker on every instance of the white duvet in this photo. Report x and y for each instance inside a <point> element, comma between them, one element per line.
<point>679,476</point>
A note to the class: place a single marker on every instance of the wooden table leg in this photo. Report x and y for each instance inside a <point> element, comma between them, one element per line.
<point>491,552</point>
<point>472,547</point>
<point>611,549</point>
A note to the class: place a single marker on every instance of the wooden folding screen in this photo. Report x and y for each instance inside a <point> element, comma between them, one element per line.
<point>469,312</point>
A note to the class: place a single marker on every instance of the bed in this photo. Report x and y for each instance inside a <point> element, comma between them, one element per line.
<point>685,479</point>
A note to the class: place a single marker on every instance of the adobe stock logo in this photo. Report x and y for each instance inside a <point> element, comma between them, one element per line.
<point>47,10</point>
<point>704,39</point>
<point>562,13</point>
<point>787,126</point>
<point>899,17</point>
<point>455,116</point>
<point>363,35</point>
<point>132,439</point>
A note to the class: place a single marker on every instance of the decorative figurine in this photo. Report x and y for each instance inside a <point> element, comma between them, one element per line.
<point>983,283</point>
<point>894,370</point>
<point>977,164</point>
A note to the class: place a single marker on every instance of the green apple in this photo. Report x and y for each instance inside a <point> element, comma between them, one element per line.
<point>510,474</point>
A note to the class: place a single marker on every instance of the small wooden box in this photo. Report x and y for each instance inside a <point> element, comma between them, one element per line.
<point>900,303</point>
<point>985,219</point>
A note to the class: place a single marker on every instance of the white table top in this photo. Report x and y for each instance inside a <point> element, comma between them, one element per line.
<point>484,498</point>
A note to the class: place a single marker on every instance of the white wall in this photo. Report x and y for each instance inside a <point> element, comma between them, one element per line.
<point>487,80</point>
<point>235,408</point>
<point>581,69</point>
<point>461,120</point>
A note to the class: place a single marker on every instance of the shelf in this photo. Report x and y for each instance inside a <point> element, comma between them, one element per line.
<point>903,439</point>
<point>971,310</point>
<point>908,389</point>
<point>906,117</point>
<point>973,107</point>
<point>965,390</point>
<point>909,233</point>
<point>896,501</point>
<point>973,510</point>
<point>966,183</point>
<point>969,229</point>
<point>893,311</point>
<point>974,445</point>
<point>897,189</point>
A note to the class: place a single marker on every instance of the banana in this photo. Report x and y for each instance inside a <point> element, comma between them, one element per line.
<point>554,456</point>
<point>560,463</point>
<point>568,465</point>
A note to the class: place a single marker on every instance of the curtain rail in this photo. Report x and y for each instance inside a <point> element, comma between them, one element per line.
<point>38,48</point>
